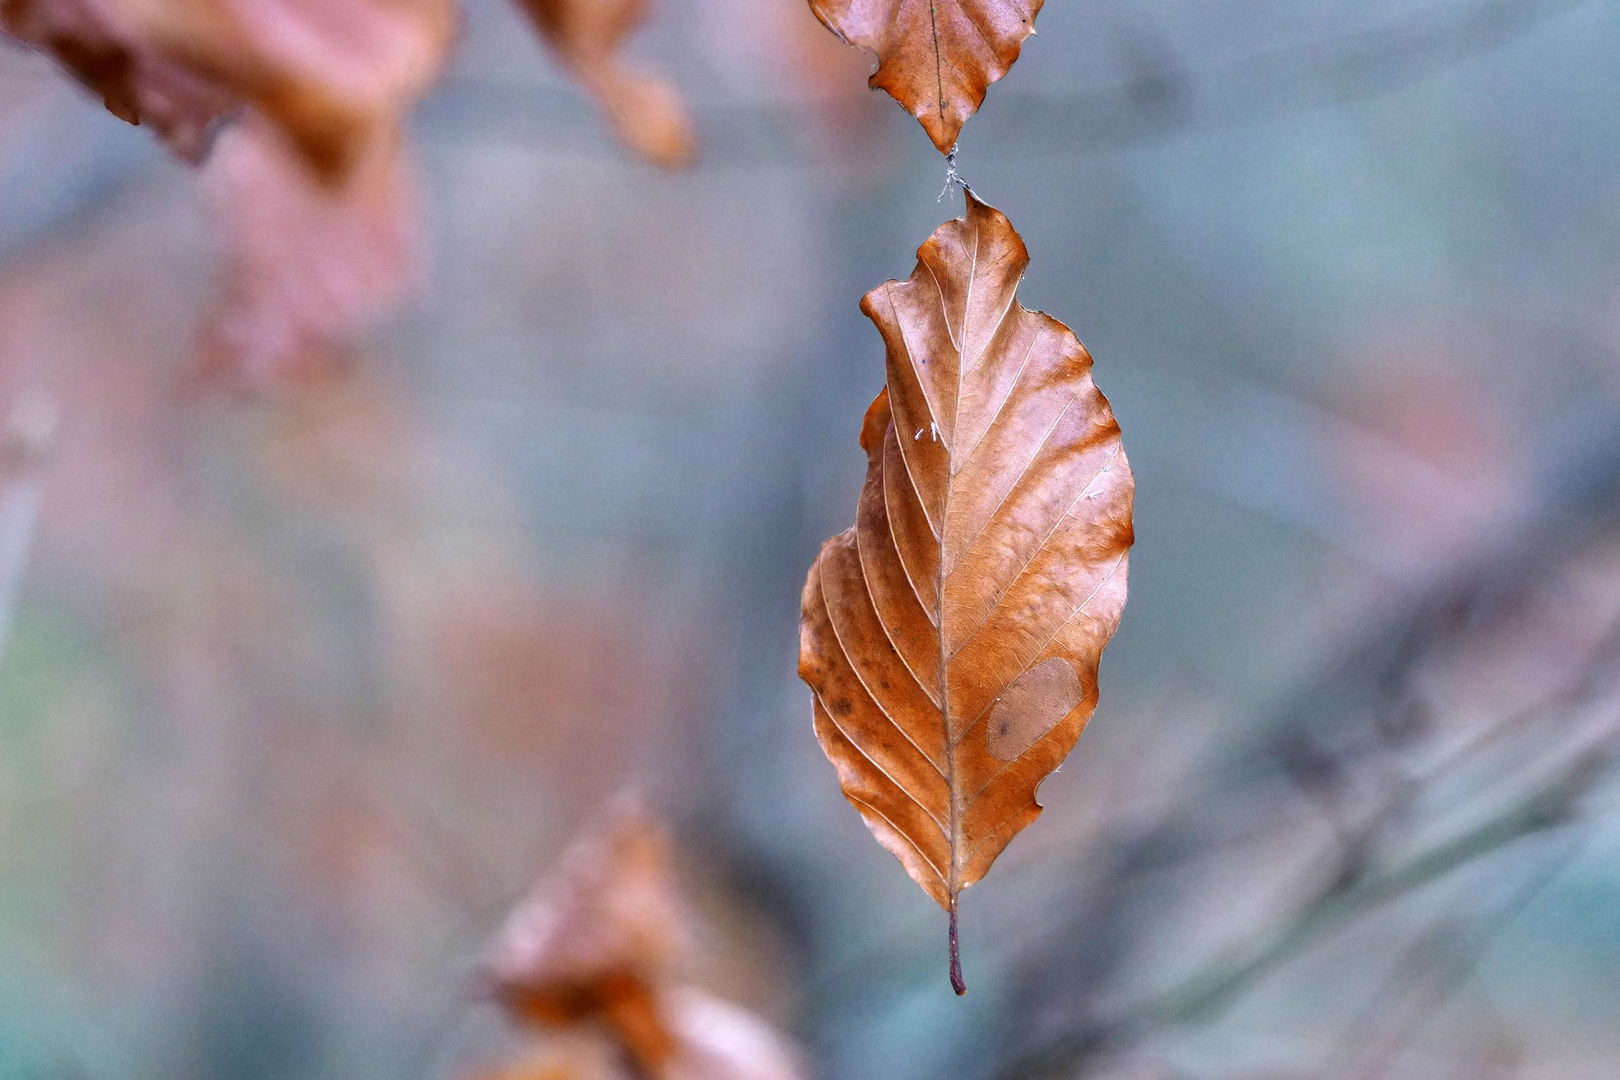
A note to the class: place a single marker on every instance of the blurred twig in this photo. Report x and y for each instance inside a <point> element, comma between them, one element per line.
<point>1537,753</point>
<point>1545,806</point>
<point>1436,967</point>
<point>23,441</point>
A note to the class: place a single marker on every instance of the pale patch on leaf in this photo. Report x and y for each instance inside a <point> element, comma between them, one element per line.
<point>722,1041</point>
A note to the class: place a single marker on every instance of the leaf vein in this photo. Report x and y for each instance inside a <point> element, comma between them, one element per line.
<point>984,712</point>
<point>894,541</point>
<point>1045,438</point>
<point>901,833</point>
<point>1002,404</point>
<point>898,786</point>
<point>1022,570</point>
<point>859,674</point>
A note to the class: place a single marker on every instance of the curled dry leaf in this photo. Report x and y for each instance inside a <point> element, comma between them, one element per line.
<point>329,75</point>
<point>136,82</point>
<point>596,941</point>
<point>600,943</point>
<point>645,110</point>
<point>935,57</point>
<point>952,634</point>
<point>308,265</point>
<point>312,193</point>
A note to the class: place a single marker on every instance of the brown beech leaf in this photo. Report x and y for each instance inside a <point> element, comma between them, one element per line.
<point>135,81</point>
<point>600,942</point>
<point>714,1039</point>
<point>935,57</point>
<point>645,110</point>
<point>952,634</point>
<point>308,265</point>
<point>331,76</point>
<point>597,941</point>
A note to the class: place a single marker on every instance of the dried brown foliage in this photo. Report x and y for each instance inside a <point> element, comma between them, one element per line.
<point>135,80</point>
<point>329,76</point>
<point>601,944</point>
<point>313,196</point>
<point>952,635</point>
<point>645,110</point>
<point>935,57</point>
<point>312,193</point>
<point>308,265</point>
<point>597,941</point>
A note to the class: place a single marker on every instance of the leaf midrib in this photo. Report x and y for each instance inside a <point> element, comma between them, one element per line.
<point>955,815</point>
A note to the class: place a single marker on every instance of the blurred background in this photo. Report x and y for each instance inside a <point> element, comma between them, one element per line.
<point>304,683</point>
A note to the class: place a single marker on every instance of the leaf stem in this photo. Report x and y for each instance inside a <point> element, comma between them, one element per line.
<point>956,956</point>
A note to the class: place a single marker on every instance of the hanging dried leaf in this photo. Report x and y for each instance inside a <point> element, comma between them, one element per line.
<point>137,84</point>
<point>952,635</point>
<point>646,111</point>
<point>935,57</point>
<point>600,944</point>
<point>309,266</point>
<point>331,76</point>
<point>596,941</point>
<point>313,193</point>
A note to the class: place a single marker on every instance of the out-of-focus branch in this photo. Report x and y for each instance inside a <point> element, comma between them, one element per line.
<point>23,441</point>
<point>1380,746</point>
<point>1429,976</point>
<point>1545,806</point>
